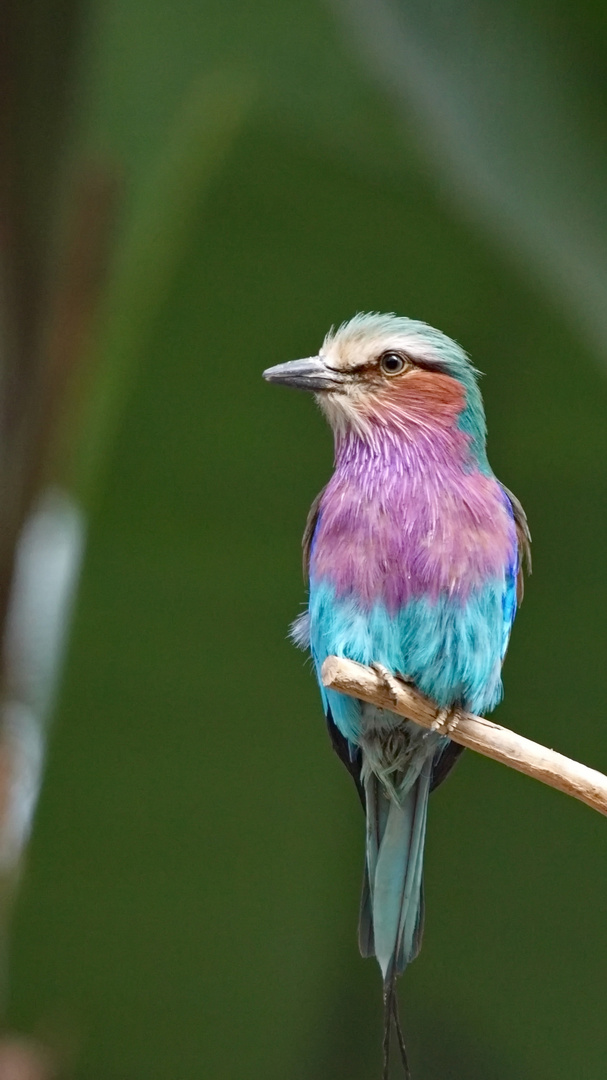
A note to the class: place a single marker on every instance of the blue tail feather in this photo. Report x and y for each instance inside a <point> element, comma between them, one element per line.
<point>391,917</point>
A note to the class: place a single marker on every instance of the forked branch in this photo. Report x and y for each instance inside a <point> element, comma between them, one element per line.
<point>587,785</point>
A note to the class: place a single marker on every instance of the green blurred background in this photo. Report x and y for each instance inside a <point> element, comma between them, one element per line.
<point>189,903</point>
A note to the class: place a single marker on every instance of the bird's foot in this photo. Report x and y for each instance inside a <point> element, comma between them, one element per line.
<point>388,680</point>
<point>446,721</point>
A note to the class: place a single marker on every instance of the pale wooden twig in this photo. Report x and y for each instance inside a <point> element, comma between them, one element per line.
<point>587,785</point>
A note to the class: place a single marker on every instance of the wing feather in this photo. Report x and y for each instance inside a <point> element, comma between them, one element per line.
<point>523,537</point>
<point>308,536</point>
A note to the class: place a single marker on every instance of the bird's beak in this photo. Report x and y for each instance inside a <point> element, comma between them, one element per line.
<point>310,374</point>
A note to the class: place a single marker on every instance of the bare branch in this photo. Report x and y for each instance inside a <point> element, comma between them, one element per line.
<point>587,785</point>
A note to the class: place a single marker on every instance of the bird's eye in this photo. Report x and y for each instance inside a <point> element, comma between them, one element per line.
<point>392,363</point>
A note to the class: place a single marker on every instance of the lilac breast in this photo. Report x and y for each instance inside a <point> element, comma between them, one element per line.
<point>401,520</point>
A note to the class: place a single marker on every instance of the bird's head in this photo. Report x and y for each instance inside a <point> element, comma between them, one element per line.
<point>384,372</point>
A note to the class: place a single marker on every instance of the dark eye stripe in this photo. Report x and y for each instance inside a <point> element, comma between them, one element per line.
<point>371,365</point>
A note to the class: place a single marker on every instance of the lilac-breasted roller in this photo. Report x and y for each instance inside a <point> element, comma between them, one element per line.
<point>414,555</point>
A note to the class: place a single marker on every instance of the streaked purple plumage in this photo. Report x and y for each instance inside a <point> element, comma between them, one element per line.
<point>412,518</point>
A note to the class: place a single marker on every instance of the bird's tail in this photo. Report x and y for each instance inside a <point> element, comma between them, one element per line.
<point>391,915</point>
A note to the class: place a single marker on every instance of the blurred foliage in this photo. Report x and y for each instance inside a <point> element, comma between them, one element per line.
<point>189,907</point>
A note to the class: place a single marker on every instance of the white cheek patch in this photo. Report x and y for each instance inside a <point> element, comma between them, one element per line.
<point>345,410</point>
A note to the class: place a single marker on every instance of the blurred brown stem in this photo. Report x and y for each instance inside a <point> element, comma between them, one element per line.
<point>63,336</point>
<point>475,732</point>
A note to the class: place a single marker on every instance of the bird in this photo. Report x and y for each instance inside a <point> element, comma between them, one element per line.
<point>414,555</point>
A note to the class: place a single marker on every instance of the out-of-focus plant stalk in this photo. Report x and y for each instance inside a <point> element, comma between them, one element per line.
<point>93,330</point>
